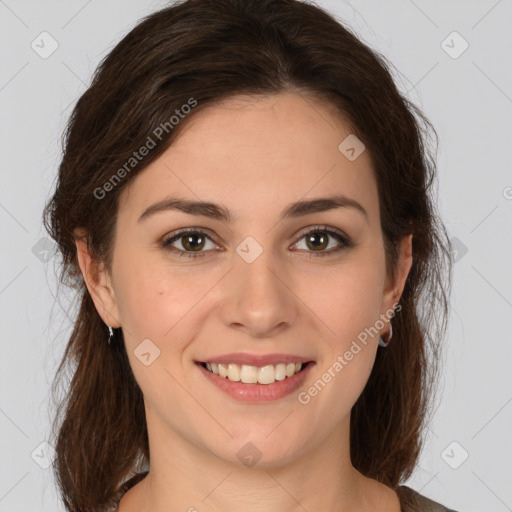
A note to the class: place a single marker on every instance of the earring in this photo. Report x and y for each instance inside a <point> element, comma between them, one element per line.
<point>110,333</point>
<point>383,343</point>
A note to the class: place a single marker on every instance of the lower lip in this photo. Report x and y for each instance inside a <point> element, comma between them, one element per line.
<point>258,392</point>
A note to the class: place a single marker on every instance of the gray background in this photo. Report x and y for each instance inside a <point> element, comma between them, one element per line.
<point>468,97</point>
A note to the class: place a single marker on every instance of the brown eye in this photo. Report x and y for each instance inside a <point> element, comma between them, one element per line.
<point>317,240</point>
<point>192,243</point>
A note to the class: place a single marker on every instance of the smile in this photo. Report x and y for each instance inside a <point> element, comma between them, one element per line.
<point>247,374</point>
<point>273,386</point>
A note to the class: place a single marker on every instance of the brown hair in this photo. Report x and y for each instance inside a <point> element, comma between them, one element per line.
<point>205,51</point>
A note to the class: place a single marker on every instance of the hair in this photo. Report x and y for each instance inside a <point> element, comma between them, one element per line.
<point>202,52</point>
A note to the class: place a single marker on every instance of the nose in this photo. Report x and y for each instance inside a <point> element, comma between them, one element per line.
<point>258,298</point>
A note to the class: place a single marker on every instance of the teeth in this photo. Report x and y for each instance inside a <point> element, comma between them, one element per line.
<point>233,372</point>
<point>222,370</point>
<point>248,374</point>
<point>253,374</point>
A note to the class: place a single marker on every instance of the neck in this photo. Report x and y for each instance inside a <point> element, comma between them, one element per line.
<point>186,476</point>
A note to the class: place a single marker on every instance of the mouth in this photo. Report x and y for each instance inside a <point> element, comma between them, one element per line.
<point>254,384</point>
<point>249,374</point>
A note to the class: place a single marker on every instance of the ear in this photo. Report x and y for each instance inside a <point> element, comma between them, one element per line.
<point>97,280</point>
<point>394,288</point>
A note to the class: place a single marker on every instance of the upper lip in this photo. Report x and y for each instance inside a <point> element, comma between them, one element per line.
<point>244,358</point>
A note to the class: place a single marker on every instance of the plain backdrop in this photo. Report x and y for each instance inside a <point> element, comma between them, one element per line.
<point>452,58</point>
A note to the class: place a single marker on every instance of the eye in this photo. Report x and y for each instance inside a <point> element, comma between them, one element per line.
<point>192,240</point>
<point>318,239</point>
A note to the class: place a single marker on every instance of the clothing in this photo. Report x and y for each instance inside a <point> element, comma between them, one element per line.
<point>410,500</point>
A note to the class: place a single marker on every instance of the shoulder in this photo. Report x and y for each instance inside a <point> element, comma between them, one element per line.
<point>412,501</point>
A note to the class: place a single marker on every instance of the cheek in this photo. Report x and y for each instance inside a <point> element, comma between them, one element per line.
<point>152,303</point>
<point>349,308</point>
<point>349,300</point>
<point>162,301</point>
<point>150,298</point>
<point>349,304</point>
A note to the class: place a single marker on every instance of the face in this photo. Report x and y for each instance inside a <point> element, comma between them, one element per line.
<point>259,283</point>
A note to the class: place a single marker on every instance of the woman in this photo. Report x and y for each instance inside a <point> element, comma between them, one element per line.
<point>243,206</point>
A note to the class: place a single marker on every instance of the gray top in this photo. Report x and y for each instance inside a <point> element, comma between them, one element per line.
<point>410,500</point>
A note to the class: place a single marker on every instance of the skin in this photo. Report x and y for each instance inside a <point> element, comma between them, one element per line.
<point>255,155</point>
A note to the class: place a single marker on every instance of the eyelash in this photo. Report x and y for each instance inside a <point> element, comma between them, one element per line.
<point>346,242</point>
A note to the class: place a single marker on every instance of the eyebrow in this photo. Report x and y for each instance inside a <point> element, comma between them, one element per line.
<point>220,212</point>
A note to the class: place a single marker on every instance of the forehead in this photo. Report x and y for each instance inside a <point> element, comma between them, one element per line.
<point>256,154</point>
